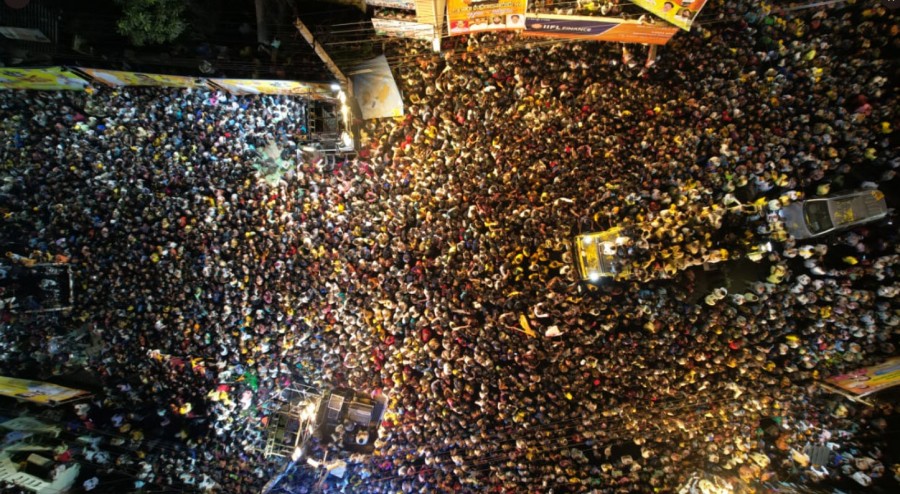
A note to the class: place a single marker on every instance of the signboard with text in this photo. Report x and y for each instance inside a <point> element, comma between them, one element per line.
<point>393,4</point>
<point>38,391</point>
<point>402,29</point>
<point>472,16</point>
<point>868,380</point>
<point>678,12</point>
<point>50,78</point>
<point>255,86</point>
<point>118,78</point>
<point>596,28</point>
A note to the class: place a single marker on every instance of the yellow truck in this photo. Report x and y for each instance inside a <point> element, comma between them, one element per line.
<point>596,255</point>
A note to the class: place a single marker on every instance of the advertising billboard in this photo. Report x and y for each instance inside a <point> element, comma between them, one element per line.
<point>118,78</point>
<point>49,78</point>
<point>867,380</point>
<point>596,28</point>
<point>253,86</point>
<point>472,16</point>
<point>375,89</point>
<point>393,4</point>
<point>678,12</point>
<point>38,391</point>
<point>402,29</point>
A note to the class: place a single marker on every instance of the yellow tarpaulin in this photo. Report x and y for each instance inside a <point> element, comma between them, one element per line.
<point>37,391</point>
<point>122,78</point>
<point>49,78</point>
<point>296,88</point>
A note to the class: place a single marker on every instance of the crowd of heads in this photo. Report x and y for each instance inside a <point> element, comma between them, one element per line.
<point>435,268</point>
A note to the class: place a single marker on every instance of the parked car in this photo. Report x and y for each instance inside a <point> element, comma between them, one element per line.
<point>821,216</point>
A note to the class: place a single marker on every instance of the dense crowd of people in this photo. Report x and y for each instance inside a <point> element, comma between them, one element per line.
<point>435,266</point>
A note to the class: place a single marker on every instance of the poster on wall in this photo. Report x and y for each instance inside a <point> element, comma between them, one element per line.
<point>596,28</point>
<point>678,12</point>
<point>472,16</point>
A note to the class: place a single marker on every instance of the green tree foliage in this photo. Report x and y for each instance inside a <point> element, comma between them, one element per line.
<point>150,22</point>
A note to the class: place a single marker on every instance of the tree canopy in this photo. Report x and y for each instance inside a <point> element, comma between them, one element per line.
<point>150,22</point>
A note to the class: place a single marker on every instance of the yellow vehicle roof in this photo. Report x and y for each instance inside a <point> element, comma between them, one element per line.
<point>592,261</point>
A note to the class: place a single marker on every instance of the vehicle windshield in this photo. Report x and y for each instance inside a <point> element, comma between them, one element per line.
<point>817,217</point>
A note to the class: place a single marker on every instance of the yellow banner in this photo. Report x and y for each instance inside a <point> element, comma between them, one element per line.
<point>678,12</point>
<point>50,78</point>
<point>37,391</point>
<point>120,78</point>
<point>472,16</point>
<point>253,86</point>
<point>868,380</point>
